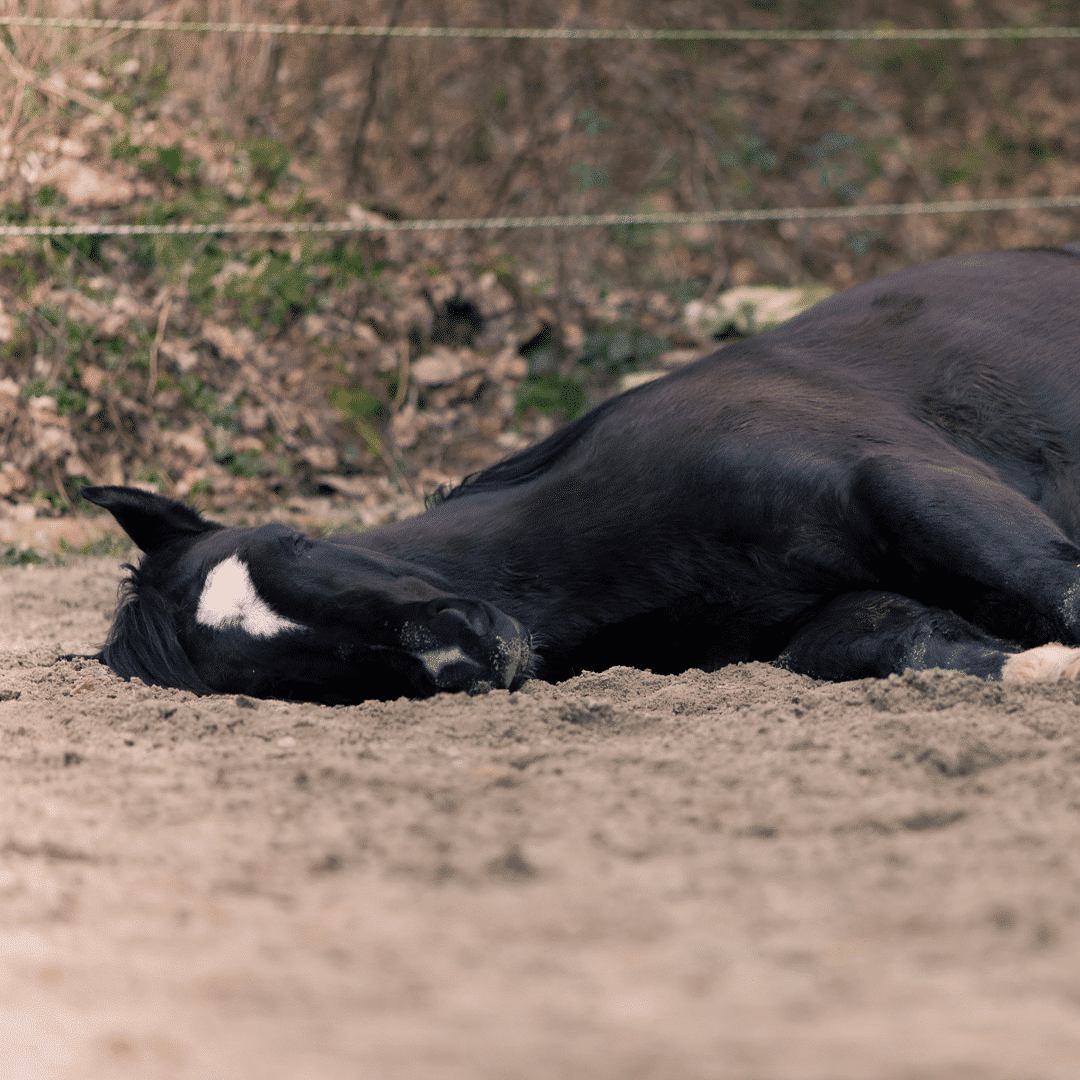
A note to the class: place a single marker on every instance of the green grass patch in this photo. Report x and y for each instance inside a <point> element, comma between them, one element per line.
<point>348,263</point>
<point>204,399</point>
<point>246,463</point>
<point>269,160</point>
<point>552,393</point>
<point>109,546</point>
<point>617,348</point>
<point>278,290</point>
<point>359,408</point>
<point>16,556</point>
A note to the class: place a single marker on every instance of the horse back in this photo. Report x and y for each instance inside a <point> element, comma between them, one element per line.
<point>978,355</point>
<point>778,444</point>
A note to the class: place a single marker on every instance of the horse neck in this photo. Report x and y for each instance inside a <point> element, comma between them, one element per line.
<point>549,554</point>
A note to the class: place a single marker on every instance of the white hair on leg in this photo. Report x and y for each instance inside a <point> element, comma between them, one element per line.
<point>1047,663</point>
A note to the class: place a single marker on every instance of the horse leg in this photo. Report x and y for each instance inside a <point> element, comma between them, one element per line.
<point>956,537</point>
<point>875,634</point>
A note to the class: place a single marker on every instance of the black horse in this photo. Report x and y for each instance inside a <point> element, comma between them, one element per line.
<point>889,481</point>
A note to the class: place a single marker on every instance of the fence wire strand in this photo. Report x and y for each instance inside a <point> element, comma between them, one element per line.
<point>373,224</point>
<point>883,33</point>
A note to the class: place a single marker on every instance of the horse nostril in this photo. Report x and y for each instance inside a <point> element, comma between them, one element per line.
<point>470,645</point>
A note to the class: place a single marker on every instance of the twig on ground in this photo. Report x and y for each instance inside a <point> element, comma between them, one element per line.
<point>159,337</point>
<point>356,160</point>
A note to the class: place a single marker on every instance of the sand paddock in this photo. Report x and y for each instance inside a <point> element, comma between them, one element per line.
<point>744,875</point>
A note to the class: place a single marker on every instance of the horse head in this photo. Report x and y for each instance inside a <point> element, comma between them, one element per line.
<point>270,612</point>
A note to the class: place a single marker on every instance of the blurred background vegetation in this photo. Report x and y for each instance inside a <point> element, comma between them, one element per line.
<point>371,368</point>
<point>480,128</point>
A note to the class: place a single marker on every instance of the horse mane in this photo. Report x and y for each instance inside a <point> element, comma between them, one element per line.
<point>528,464</point>
<point>143,642</point>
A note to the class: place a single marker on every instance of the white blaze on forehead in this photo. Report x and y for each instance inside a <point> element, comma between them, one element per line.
<point>229,600</point>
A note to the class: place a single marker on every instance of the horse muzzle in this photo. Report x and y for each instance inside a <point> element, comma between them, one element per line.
<point>470,646</point>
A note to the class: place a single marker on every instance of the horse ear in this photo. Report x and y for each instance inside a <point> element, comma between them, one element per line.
<point>152,521</point>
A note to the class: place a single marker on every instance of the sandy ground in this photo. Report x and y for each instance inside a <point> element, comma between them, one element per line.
<point>742,876</point>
